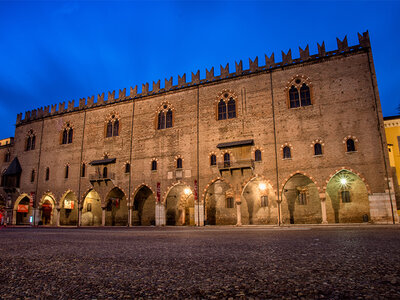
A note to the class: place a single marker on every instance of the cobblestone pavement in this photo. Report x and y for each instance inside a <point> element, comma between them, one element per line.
<point>355,262</point>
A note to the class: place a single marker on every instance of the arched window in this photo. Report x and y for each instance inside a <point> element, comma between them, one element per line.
<point>257,155</point>
<point>317,149</point>
<point>221,110</point>
<point>66,171</point>
<point>231,109</point>
<point>28,143</point>
<point>33,176</point>
<point>127,168</point>
<point>33,142</point>
<point>154,165</point>
<point>168,123</point>
<point>70,135</point>
<point>47,174</point>
<point>350,145</point>
<point>83,170</point>
<point>165,117</point>
<point>109,129</point>
<point>179,163</point>
<point>286,152</point>
<point>345,196</point>
<point>305,95</point>
<point>64,136</point>
<point>116,128</point>
<point>294,97</point>
<point>213,160</point>
<point>105,172</point>
<point>227,160</point>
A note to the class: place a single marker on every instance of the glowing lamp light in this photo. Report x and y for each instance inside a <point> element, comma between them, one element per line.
<point>262,186</point>
<point>187,191</point>
<point>343,181</point>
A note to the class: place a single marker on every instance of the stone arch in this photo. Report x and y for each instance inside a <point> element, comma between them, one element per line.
<point>362,177</point>
<point>302,173</point>
<point>116,207</point>
<point>143,206</point>
<point>22,218</point>
<point>91,208</point>
<point>300,202</point>
<point>347,199</point>
<point>179,204</point>
<point>258,205</point>
<point>68,208</point>
<point>219,201</point>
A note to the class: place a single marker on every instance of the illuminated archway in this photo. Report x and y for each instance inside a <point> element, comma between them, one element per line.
<point>22,210</point>
<point>48,213</point>
<point>179,205</point>
<point>91,209</point>
<point>69,209</point>
<point>220,203</point>
<point>347,198</point>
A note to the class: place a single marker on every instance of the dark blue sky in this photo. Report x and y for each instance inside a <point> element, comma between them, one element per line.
<point>54,51</point>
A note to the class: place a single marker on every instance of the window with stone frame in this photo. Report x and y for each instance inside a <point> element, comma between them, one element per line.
<point>350,145</point>
<point>47,175</point>
<point>33,176</point>
<point>30,141</point>
<point>302,196</point>
<point>257,155</point>
<point>112,126</point>
<point>154,165</point>
<point>179,163</point>
<point>226,105</point>
<point>165,117</point>
<point>83,170</point>
<point>229,202</point>
<point>127,168</point>
<point>66,173</point>
<point>67,134</point>
<point>317,149</point>
<point>286,152</point>
<point>213,160</point>
<point>345,196</point>
<point>264,201</point>
<point>227,160</point>
<point>299,92</point>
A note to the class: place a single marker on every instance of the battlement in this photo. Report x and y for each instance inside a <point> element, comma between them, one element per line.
<point>270,64</point>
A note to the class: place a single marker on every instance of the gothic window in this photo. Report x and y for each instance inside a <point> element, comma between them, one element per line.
<point>229,202</point>
<point>179,163</point>
<point>286,152</point>
<point>105,172</point>
<point>350,145</point>
<point>70,135</point>
<point>226,105</point>
<point>33,176</point>
<point>231,109</point>
<point>345,196</point>
<point>165,117</point>
<point>66,171</point>
<point>264,201</point>
<point>112,126</point>
<point>47,177</point>
<point>30,141</point>
<point>127,168</point>
<point>294,97</point>
<point>221,110</point>
<point>83,170</point>
<point>64,136</point>
<point>154,165</point>
<point>317,149</point>
<point>299,92</point>
<point>227,160</point>
<point>67,134</point>
<point>213,160</point>
<point>257,155</point>
<point>305,95</point>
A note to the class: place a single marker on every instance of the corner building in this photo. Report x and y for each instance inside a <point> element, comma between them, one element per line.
<point>293,142</point>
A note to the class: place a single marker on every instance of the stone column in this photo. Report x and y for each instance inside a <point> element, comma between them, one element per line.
<point>322,196</point>
<point>238,211</point>
<point>103,216</point>
<point>79,215</point>
<point>130,208</point>
<point>58,216</point>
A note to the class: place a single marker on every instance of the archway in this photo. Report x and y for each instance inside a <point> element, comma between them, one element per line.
<point>259,204</point>
<point>47,206</point>
<point>91,209</point>
<point>180,205</point>
<point>69,209</point>
<point>347,198</point>
<point>144,207</point>
<point>300,201</point>
<point>220,204</point>
<point>22,211</point>
<point>116,208</point>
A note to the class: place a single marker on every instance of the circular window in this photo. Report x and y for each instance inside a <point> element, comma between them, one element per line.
<point>165,106</point>
<point>298,81</point>
<point>113,116</point>
<point>226,95</point>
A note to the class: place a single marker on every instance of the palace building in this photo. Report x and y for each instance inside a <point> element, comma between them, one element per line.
<point>300,141</point>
